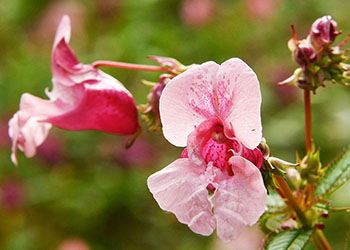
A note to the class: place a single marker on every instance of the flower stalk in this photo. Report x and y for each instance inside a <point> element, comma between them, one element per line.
<point>307,106</point>
<point>318,236</point>
<point>133,66</point>
<point>320,240</point>
<point>287,193</point>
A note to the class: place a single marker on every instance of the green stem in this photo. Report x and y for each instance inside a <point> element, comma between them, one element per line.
<point>290,198</point>
<point>340,209</point>
<point>321,241</point>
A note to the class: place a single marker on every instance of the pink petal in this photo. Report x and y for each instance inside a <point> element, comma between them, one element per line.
<point>239,101</point>
<point>105,106</point>
<point>25,129</point>
<point>180,188</point>
<point>186,101</point>
<point>239,200</point>
<point>63,30</point>
<point>66,69</point>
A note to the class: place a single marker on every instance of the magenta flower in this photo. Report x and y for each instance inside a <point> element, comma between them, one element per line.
<point>215,111</point>
<point>82,98</point>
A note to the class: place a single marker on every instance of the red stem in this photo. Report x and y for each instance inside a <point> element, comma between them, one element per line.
<point>320,239</point>
<point>130,66</point>
<point>307,103</point>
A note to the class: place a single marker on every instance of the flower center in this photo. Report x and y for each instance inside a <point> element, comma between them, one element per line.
<point>219,149</point>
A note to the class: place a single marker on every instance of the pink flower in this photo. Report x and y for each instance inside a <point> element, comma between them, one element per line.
<point>215,111</point>
<point>82,98</point>
<point>197,13</point>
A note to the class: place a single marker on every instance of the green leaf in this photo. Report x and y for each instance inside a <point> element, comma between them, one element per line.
<point>272,222</point>
<point>335,175</point>
<point>274,200</point>
<point>289,240</point>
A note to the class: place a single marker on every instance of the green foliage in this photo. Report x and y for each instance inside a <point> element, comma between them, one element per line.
<point>274,215</point>
<point>336,174</point>
<point>272,222</point>
<point>274,202</point>
<point>291,240</point>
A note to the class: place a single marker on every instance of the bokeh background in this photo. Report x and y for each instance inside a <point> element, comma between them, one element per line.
<point>83,190</point>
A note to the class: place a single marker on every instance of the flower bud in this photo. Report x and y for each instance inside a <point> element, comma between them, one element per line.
<point>325,214</point>
<point>323,32</point>
<point>304,54</point>
<point>151,109</point>
<point>319,225</point>
<point>264,148</point>
<point>281,164</point>
<point>294,177</point>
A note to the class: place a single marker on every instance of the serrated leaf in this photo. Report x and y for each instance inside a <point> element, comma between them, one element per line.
<point>335,176</point>
<point>289,240</point>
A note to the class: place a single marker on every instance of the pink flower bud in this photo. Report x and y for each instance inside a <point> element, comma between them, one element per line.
<point>304,54</point>
<point>319,225</point>
<point>323,32</point>
<point>325,215</point>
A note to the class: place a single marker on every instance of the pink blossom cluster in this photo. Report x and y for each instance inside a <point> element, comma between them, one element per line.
<point>212,110</point>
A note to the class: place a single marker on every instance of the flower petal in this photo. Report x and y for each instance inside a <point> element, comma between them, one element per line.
<point>105,106</point>
<point>82,98</point>
<point>180,188</point>
<point>197,140</point>
<point>26,130</point>
<point>186,101</point>
<point>239,200</point>
<point>63,30</point>
<point>239,101</point>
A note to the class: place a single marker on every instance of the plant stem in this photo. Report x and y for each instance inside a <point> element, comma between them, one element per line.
<point>130,66</point>
<point>290,198</point>
<point>340,209</point>
<point>321,241</point>
<point>307,105</point>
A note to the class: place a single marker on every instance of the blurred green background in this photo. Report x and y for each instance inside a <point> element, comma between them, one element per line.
<point>83,190</point>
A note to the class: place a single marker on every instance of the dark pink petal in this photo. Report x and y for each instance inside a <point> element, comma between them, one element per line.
<point>239,200</point>
<point>197,140</point>
<point>105,106</point>
<point>180,188</point>
<point>239,100</point>
<point>186,101</point>
<point>254,156</point>
<point>184,153</point>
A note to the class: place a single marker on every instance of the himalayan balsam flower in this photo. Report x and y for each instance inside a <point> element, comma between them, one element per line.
<point>82,98</point>
<point>215,111</point>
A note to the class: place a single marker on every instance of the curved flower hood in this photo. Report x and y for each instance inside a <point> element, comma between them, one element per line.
<point>82,98</point>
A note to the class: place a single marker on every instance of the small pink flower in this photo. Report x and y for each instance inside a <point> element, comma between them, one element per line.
<point>82,98</point>
<point>197,13</point>
<point>215,111</point>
